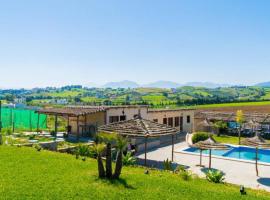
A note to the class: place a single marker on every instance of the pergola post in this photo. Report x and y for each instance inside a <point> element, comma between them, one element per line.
<point>172,147</point>
<point>85,123</point>
<point>56,125</point>
<point>256,161</point>
<point>78,128</point>
<point>68,124</point>
<point>210,158</point>
<point>38,122</point>
<point>145,150</point>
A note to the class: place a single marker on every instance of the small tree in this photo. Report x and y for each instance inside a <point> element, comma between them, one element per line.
<point>121,145</point>
<point>99,149</point>
<point>220,126</point>
<point>108,139</point>
<point>240,120</point>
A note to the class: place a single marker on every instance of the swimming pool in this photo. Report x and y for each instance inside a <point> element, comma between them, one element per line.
<point>243,153</point>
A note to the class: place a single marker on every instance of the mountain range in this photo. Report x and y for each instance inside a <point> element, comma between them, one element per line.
<point>157,84</point>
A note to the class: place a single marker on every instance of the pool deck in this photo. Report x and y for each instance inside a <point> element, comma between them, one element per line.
<point>236,172</point>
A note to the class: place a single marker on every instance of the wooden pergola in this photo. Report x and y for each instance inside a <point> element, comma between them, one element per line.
<point>69,112</point>
<point>141,128</point>
<point>230,116</point>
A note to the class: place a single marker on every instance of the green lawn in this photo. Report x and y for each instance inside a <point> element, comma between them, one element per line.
<point>28,174</point>
<point>226,139</point>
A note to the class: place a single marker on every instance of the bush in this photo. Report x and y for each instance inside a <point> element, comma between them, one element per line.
<point>129,159</point>
<point>167,165</point>
<point>85,151</point>
<point>200,136</point>
<point>185,175</point>
<point>215,176</point>
<point>37,147</point>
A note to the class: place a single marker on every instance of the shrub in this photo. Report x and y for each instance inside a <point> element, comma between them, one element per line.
<point>185,175</point>
<point>129,159</point>
<point>200,136</point>
<point>215,176</point>
<point>167,165</point>
<point>37,147</point>
<point>85,151</point>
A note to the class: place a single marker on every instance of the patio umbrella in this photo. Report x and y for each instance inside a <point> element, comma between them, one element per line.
<point>210,144</point>
<point>257,142</point>
<point>206,124</point>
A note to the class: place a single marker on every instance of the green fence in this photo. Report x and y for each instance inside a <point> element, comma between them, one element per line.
<point>22,119</point>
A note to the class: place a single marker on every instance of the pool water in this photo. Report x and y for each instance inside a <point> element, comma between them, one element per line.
<point>245,153</point>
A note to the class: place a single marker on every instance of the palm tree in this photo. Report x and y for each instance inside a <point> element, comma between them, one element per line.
<point>121,144</point>
<point>108,139</point>
<point>99,149</point>
<point>240,120</point>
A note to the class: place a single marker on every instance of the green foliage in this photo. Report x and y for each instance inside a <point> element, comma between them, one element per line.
<point>167,165</point>
<point>78,180</point>
<point>240,117</point>
<point>215,176</point>
<point>85,151</point>
<point>185,175</point>
<point>37,147</point>
<point>200,136</point>
<point>129,160</point>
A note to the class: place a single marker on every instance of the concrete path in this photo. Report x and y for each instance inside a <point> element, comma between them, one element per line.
<point>240,173</point>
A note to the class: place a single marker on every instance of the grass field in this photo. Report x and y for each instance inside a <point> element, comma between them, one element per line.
<point>28,174</point>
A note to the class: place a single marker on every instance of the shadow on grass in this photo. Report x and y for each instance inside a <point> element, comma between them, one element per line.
<point>117,182</point>
<point>264,181</point>
<point>158,164</point>
<point>206,169</point>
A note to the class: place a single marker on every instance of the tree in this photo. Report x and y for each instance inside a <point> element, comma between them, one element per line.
<point>108,139</point>
<point>220,126</point>
<point>99,149</point>
<point>240,120</point>
<point>121,145</point>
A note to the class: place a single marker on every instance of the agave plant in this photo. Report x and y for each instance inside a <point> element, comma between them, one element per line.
<point>128,159</point>
<point>215,176</point>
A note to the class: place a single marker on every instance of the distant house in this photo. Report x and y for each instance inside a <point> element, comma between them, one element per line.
<point>20,100</point>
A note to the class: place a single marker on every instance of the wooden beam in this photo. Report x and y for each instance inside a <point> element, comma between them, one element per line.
<point>78,128</point>
<point>172,148</point>
<point>56,124</point>
<point>145,151</point>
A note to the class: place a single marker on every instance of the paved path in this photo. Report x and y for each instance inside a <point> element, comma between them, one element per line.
<point>240,173</point>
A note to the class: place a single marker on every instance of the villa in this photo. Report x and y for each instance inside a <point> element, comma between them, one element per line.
<point>84,120</point>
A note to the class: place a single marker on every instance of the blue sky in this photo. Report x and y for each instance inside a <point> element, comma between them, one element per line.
<point>59,42</point>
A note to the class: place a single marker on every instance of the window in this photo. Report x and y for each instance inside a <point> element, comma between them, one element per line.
<point>164,120</point>
<point>188,119</point>
<point>123,117</point>
<point>177,121</point>
<point>113,119</point>
<point>155,120</point>
<point>170,119</point>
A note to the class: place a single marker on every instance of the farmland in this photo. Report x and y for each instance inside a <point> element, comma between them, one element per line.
<point>187,96</point>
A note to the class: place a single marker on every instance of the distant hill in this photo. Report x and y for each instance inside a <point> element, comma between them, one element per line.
<point>264,84</point>
<point>163,84</point>
<point>121,84</point>
<point>206,84</point>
